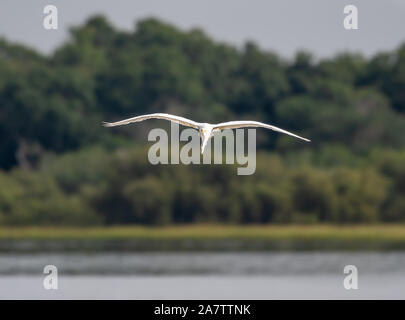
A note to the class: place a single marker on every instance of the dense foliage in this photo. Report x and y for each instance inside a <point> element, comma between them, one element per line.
<point>60,166</point>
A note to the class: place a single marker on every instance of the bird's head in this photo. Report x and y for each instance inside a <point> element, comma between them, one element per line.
<point>205,129</point>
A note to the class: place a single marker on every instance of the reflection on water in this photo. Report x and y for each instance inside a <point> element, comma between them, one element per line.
<point>195,263</point>
<point>198,275</point>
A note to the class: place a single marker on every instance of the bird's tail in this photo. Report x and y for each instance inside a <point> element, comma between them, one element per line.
<point>204,142</point>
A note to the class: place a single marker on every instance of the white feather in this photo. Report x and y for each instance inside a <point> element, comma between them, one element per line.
<point>205,129</point>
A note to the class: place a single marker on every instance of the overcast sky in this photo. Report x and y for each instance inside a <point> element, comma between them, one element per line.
<point>283,26</point>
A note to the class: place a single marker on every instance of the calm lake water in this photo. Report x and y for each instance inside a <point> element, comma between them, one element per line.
<point>197,275</point>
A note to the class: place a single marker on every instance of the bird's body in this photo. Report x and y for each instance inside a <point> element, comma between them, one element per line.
<point>206,130</point>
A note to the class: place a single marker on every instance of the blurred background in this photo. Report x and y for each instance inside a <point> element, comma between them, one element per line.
<point>86,199</point>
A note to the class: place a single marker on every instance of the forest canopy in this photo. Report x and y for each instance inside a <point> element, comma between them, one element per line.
<point>59,166</point>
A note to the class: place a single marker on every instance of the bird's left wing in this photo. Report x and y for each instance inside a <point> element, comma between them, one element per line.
<point>242,124</point>
<point>166,116</point>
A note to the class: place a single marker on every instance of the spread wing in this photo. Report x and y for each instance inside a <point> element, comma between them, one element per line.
<point>243,124</point>
<point>166,116</point>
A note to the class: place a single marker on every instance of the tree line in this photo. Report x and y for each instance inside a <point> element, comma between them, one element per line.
<point>60,166</point>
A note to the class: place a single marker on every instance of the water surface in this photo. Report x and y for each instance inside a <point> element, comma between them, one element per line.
<point>197,275</point>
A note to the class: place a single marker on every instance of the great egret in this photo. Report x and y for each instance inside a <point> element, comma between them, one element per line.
<point>206,130</point>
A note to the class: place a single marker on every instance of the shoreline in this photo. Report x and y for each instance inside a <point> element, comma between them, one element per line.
<point>204,238</point>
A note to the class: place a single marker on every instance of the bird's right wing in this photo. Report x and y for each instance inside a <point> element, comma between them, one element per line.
<point>165,116</point>
<point>243,124</point>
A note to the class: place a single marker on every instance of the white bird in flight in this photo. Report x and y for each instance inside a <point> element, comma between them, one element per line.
<point>206,130</point>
